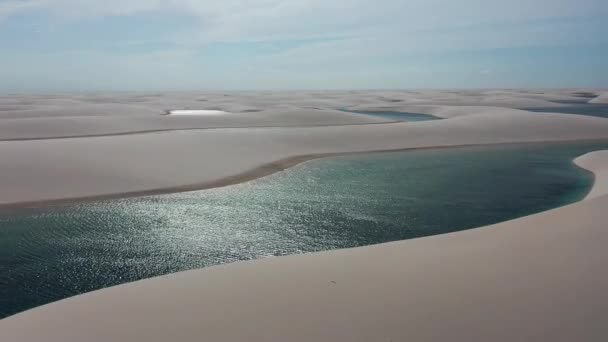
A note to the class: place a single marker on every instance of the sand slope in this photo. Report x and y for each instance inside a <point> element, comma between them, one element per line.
<point>602,98</point>
<point>539,278</point>
<point>596,162</point>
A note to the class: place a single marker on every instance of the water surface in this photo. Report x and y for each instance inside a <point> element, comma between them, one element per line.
<point>397,116</point>
<point>47,255</point>
<point>575,107</point>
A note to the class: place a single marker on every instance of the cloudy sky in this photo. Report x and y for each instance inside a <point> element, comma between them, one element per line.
<point>94,45</point>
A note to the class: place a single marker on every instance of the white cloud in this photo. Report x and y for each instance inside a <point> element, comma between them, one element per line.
<point>11,7</point>
<point>239,20</point>
<point>346,41</point>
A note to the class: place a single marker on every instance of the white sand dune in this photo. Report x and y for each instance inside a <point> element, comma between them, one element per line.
<point>536,278</point>
<point>79,126</point>
<point>82,115</point>
<point>595,162</point>
<point>67,168</point>
<point>43,170</point>
<point>121,105</point>
<point>602,98</point>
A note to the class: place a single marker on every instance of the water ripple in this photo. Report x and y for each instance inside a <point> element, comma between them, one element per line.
<point>321,205</point>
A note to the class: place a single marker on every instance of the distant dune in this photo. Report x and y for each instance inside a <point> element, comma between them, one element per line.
<point>602,98</point>
<point>596,162</point>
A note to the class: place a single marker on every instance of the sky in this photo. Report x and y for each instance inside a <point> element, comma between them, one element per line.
<point>180,45</point>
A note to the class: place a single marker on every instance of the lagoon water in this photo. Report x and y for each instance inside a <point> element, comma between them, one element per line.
<point>50,254</point>
<point>589,109</point>
<point>398,116</point>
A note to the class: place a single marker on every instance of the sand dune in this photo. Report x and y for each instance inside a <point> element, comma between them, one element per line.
<point>57,127</point>
<point>602,98</point>
<point>42,170</point>
<point>84,114</point>
<point>595,162</point>
<point>133,104</point>
<point>184,153</point>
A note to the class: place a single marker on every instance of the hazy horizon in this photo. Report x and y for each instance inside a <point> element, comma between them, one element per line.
<point>261,45</point>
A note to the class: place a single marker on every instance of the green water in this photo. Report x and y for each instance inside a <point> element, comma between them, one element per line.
<point>47,255</point>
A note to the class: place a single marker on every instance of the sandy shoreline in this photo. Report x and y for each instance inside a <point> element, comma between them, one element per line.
<point>595,162</point>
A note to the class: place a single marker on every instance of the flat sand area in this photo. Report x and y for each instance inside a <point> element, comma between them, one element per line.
<point>540,277</point>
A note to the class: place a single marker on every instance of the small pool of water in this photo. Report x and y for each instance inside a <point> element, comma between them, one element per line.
<point>589,109</point>
<point>50,254</point>
<point>397,116</point>
<point>195,112</point>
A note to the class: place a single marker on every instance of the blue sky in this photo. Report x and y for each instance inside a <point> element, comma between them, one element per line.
<point>148,45</point>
